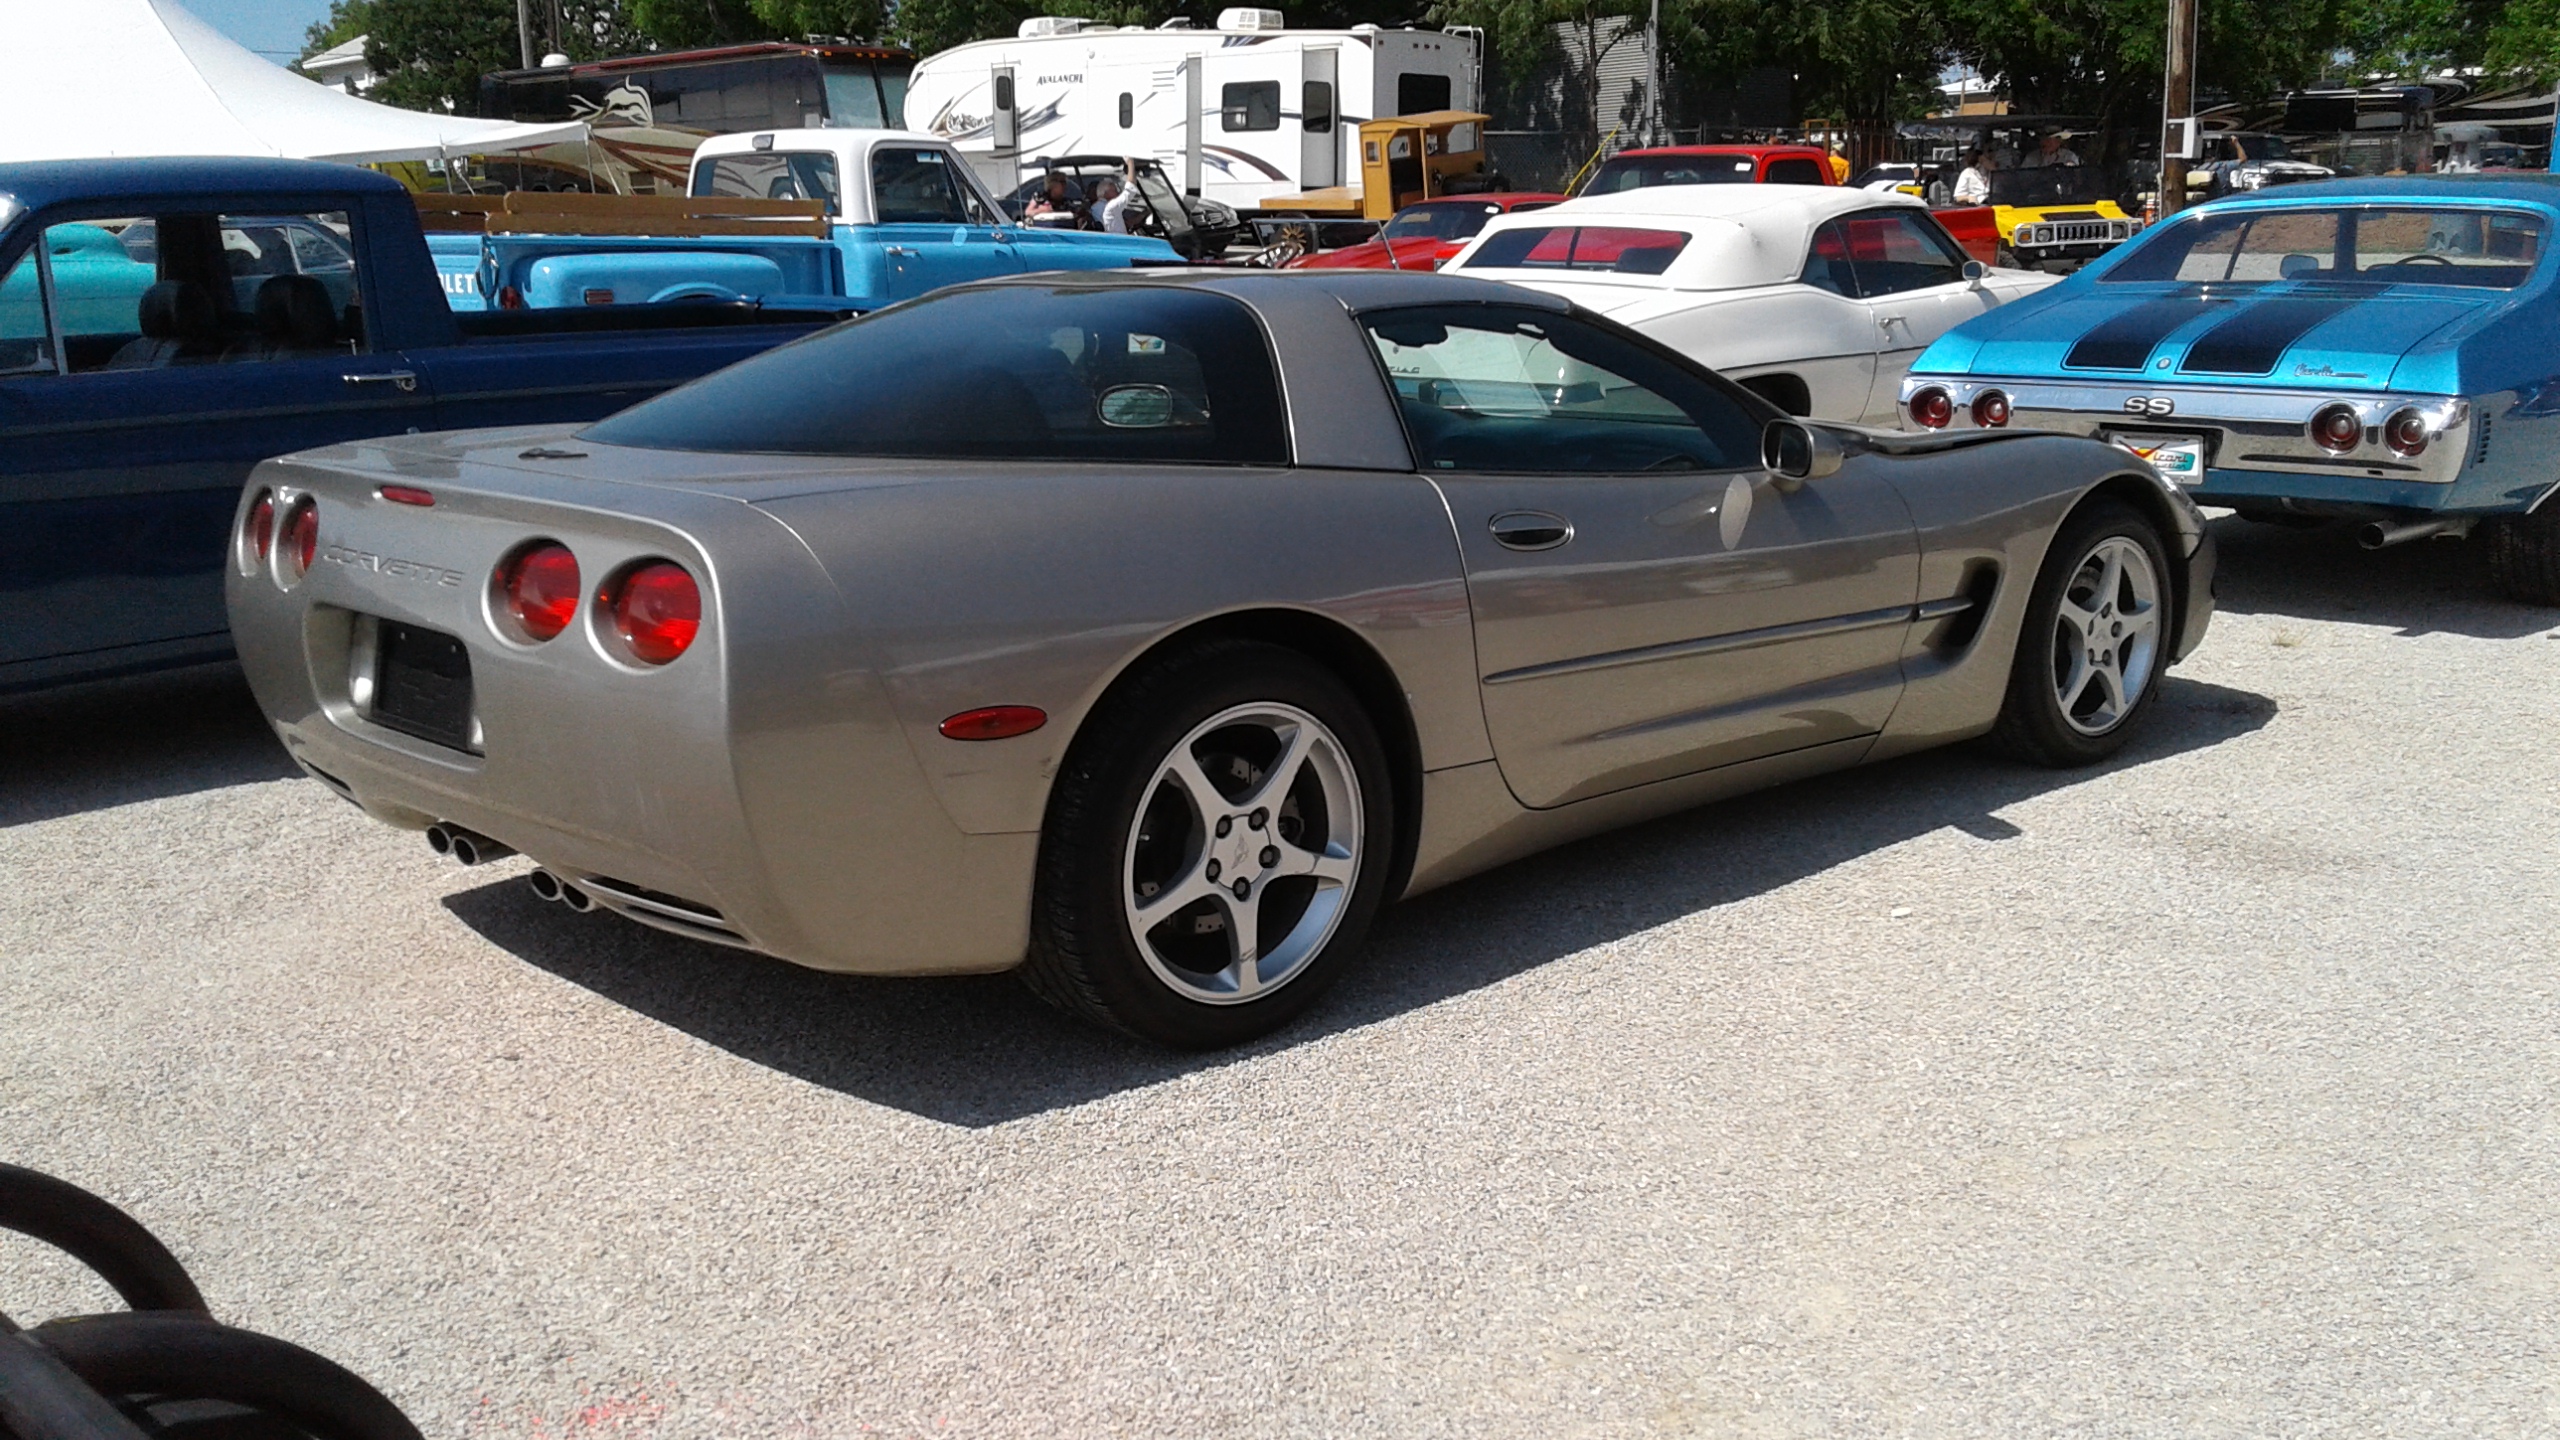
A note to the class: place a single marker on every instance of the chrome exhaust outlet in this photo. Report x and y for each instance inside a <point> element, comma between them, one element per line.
<point>545,885</point>
<point>2379,536</point>
<point>468,846</point>
<point>575,898</point>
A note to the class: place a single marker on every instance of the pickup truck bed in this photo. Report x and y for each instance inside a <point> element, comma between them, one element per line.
<point>268,306</point>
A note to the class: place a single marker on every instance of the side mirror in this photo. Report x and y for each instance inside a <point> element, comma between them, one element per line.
<point>1794,452</point>
<point>1975,272</point>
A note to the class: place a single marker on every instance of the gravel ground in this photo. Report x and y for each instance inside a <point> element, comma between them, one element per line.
<point>2207,1093</point>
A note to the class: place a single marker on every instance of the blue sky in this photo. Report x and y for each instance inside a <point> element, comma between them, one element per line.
<point>273,28</point>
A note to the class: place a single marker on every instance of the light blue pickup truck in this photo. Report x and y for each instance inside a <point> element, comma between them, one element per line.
<point>907,216</point>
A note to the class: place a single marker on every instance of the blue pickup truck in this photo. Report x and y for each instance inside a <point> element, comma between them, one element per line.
<point>905,213</point>
<point>166,324</point>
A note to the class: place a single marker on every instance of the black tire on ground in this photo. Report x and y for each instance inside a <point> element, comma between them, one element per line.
<point>2523,555</point>
<point>2006,258</point>
<point>2033,725</point>
<point>1084,957</point>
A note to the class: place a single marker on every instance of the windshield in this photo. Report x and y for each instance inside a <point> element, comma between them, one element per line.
<point>1634,172</point>
<point>1455,221</point>
<point>2493,249</point>
<point>1013,373</point>
<point>2046,185</point>
<point>853,99</point>
<point>2262,147</point>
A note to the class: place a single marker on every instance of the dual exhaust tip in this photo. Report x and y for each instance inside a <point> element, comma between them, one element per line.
<point>470,847</point>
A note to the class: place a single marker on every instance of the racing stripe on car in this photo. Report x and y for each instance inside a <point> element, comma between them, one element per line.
<point>2125,341</point>
<point>2251,342</point>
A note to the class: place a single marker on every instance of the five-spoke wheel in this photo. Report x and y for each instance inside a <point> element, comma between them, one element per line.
<point>1216,844</point>
<point>2090,655</point>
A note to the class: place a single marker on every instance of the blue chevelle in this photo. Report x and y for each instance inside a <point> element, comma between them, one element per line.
<point>2378,350</point>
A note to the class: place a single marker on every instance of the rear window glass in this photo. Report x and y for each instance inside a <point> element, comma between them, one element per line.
<point>1012,372</point>
<point>1635,172</point>
<point>769,176</point>
<point>1619,249</point>
<point>2494,249</point>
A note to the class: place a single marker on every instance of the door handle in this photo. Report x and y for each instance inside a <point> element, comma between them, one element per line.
<point>905,251</point>
<point>405,380</point>
<point>1530,530</point>
<point>1890,321</point>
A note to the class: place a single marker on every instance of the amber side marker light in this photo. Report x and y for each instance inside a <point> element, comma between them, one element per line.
<point>994,722</point>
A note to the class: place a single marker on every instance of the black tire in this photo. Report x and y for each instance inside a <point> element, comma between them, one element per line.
<point>1085,956</point>
<point>2034,725</point>
<point>2523,555</point>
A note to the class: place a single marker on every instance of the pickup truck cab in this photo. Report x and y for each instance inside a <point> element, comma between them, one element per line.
<point>905,215</point>
<point>165,324</point>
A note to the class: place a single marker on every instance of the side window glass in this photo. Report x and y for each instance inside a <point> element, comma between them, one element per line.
<point>1793,172</point>
<point>26,343</point>
<point>1893,255</point>
<point>1827,266</point>
<point>150,292</point>
<point>1484,388</point>
<point>1315,107</point>
<point>1250,105</point>
<point>911,186</point>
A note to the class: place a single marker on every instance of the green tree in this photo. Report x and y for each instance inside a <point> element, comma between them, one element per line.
<point>346,20</point>
<point>2104,58</point>
<point>2525,40</point>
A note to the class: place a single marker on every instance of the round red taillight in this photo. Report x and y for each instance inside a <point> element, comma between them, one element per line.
<point>1933,408</point>
<point>302,536</point>
<point>260,528</point>
<point>1991,409</point>
<point>539,584</point>
<point>2337,428</point>
<point>2406,432</point>
<point>657,609</point>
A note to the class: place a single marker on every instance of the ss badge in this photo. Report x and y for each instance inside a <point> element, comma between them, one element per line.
<point>2153,405</point>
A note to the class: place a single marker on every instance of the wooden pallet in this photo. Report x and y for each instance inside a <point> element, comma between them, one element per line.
<point>537,212</point>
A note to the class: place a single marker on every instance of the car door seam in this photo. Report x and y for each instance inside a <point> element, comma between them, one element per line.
<point>1712,644</point>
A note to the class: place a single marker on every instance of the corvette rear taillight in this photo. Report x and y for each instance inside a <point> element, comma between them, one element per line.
<point>259,529</point>
<point>2406,433</point>
<point>1932,408</point>
<point>1991,409</point>
<point>539,585</point>
<point>301,537</point>
<point>2337,429</point>
<point>656,608</point>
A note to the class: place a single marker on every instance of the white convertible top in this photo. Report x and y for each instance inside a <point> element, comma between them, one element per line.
<point>1740,235</point>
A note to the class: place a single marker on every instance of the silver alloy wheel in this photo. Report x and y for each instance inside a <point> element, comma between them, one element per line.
<point>1242,854</point>
<point>2106,635</point>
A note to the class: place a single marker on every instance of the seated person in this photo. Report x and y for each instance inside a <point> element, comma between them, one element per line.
<point>1059,204</point>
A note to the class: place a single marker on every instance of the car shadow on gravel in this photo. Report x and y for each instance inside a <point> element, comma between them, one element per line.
<point>2424,587</point>
<point>116,742</point>
<point>981,1051</point>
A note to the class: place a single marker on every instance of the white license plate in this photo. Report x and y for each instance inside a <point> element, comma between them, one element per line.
<point>2178,457</point>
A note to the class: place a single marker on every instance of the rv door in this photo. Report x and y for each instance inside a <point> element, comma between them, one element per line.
<point>1319,141</point>
<point>1007,118</point>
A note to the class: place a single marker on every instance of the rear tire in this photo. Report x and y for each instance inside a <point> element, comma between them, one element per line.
<point>2523,555</point>
<point>1215,848</point>
<point>2097,635</point>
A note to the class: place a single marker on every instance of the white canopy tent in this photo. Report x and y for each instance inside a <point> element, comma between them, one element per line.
<point>145,77</point>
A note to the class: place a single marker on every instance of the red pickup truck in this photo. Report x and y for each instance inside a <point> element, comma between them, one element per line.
<point>1714,165</point>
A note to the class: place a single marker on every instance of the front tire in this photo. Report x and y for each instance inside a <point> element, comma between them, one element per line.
<point>2096,638</point>
<point>1215,848</point>
<point>2523,554</point>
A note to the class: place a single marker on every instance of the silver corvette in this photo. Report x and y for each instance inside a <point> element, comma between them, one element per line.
<point>1148,631</point>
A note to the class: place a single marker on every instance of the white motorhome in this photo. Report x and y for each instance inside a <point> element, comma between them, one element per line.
<point>1240,113</point>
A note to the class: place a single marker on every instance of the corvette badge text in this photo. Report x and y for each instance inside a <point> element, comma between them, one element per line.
<point>395,568</point>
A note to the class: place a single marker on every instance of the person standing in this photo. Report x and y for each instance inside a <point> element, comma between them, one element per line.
<point>1116,195</point>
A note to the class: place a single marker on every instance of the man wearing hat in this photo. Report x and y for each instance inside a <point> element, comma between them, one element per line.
<point>2049,151</point>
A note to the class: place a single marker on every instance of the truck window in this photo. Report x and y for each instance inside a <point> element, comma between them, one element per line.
<point>1250,105</point>
<point>1795,170</point>
<point>26,345</point>
<point>912,186</point>
<point>152,291</point>
<point>771,175</point>
<point>1416,94</point>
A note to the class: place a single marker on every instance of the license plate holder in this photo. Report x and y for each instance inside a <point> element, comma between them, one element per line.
<point>2180,457</point>
<point>422,685</point>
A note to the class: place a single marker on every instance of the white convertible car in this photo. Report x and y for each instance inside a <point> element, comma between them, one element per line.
<point>1817,297</point>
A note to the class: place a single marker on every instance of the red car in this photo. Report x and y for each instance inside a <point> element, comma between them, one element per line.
<point>1422,236</point>
<point>1714,165</point>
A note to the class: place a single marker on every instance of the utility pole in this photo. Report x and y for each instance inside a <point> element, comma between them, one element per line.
<point>2178,102</point>
<point>524,31</point>
<point>1653,77</point>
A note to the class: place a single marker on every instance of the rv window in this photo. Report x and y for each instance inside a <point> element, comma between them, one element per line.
<point>1004,92</point>
<point>853,99</point>
<point>1254,105</point>
<point>1416,94</point>
<point>1315,106</point>
<point>1128,110</point>
<point>893,93</point>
